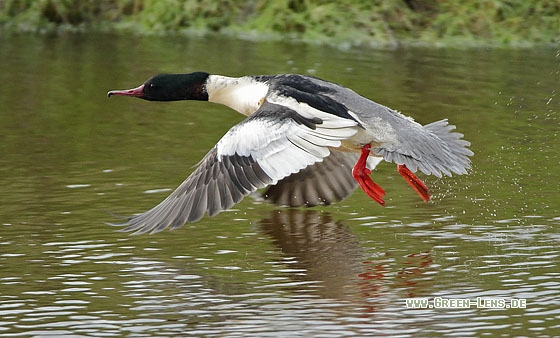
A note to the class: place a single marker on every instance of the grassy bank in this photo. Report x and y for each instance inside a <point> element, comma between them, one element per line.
<point>366,22</point>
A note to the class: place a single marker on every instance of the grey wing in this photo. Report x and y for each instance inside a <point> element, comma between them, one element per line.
<point>215,185</point>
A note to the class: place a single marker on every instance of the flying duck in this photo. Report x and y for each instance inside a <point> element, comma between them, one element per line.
<point>306,139</point>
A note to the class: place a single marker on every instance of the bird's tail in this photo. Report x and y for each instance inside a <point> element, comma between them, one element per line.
<point>435,149</point>
<point>454,153</point>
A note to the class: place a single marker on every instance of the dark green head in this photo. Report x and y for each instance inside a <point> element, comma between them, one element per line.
<point>169,87</point>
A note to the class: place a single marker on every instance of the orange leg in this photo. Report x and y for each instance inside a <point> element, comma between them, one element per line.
<point>361,175</point>
<point>414,182</point>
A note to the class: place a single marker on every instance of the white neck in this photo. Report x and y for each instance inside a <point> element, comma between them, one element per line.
<point>243,94</point>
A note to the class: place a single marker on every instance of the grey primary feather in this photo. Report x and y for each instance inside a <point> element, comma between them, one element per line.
<point>213,186</point>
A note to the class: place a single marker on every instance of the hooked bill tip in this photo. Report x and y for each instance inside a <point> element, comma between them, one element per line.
<point>134,92</point>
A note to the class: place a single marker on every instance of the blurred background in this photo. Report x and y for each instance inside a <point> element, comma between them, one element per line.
<point>345,22</point>
<point>70,158</point>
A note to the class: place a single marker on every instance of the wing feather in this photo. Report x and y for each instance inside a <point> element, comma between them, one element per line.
<point>321,183</point>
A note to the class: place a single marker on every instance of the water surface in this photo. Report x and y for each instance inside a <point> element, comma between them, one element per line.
<point>69,155</point>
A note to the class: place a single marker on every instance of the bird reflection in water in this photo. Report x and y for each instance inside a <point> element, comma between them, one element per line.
<point>326,251</point>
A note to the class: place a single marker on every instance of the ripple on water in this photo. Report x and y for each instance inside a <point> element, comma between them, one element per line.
<point>172,297</point>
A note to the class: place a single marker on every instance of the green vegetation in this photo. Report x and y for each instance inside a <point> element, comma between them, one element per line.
<point>369,22</point>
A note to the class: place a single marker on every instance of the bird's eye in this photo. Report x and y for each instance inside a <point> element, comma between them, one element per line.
<point>152,86</point>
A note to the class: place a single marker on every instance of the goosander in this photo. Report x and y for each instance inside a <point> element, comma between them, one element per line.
<point>309,140</point>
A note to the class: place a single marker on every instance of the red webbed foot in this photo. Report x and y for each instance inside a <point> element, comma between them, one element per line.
<point>414,182</point>
<point>361,175</point>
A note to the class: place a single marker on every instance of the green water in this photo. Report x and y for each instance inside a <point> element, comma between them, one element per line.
<point>69,155</point>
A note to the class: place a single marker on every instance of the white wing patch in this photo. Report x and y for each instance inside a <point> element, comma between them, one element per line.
<point>283,146</point>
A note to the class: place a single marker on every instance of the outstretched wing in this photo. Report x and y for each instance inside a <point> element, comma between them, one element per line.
<point>271,144</point>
